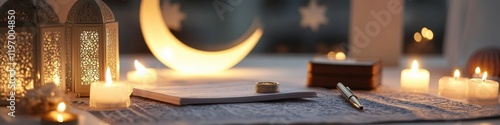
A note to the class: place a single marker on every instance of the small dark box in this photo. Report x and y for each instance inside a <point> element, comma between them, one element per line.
<point>361,74</point>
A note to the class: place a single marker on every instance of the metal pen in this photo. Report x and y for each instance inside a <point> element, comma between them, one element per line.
<point>349,96</point>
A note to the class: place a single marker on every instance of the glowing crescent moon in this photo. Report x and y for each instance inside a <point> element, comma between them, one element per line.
<point>180,57</point>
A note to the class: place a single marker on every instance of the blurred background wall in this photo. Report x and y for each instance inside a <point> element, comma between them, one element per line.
<point>459,27</point>
<point>203,29</point>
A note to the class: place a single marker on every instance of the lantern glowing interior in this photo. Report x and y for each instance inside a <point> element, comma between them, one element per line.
<point>180,57</point>
<point>38,46</point>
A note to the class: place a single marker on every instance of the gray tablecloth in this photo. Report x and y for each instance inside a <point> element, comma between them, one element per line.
<point>329,107</point>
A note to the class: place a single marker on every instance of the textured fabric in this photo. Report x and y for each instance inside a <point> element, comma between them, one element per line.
<point>328,107</point>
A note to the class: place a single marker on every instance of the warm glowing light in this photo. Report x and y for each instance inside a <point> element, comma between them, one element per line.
<point>414,65</point>
<point>340,56</point>
<point>424,31</point>
<point>429,34</point>
<point>331,55</point>
<point>61,107</point>
<point>57,80</point>
<point>183,58</point>
<point>417,37</point>
<point>108,77</point>
<point>456,74</point>
<point>478,70</point>
<point>139,67</point>
<point>60,118</point>
<point>485,74</point>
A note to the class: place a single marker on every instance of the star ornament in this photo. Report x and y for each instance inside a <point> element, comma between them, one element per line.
<point>313,15</point>
<point>172,15</point>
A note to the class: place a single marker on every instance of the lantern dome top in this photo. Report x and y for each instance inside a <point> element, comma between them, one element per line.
<point>34,12</point>
<point>90,12</point>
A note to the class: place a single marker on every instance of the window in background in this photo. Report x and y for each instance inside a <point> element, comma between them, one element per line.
<point>286,33</point>
<point>424,27</point>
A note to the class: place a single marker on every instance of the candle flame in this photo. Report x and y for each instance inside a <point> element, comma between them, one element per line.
<point>340,56</point>
<point>485,74</point>
<point>108,77</point>
<point>61,107</point>
<point>139,67</point>
<point>414,65</point>
<point>478,70</point>
<point>60,118</point>
<point>456,74</point>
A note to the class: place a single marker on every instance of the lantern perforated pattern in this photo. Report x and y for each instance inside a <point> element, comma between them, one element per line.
<point>39,55</point>
<point>112,51</point>
<point>89,56</point>
<point>52,57</point>
<point>24,63</point>
<point>94,44</point>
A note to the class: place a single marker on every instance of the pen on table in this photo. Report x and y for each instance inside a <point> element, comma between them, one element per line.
<point>349,96</point>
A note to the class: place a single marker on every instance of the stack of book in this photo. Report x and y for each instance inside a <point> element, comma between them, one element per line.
<point>361,74</point>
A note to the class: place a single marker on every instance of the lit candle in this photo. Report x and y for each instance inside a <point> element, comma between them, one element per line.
<point>59,117</point>
<point>453,87</point>
<point>482,90</point>
<point>415,79</point>
<point>142,75</point>
<point>109,94</point>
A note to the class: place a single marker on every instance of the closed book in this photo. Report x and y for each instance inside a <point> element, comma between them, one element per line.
<point>214,93</point>
<point>361,74</point>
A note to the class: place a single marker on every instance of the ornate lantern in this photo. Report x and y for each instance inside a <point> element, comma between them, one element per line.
<point>94,44</point>
<point>33,47</point>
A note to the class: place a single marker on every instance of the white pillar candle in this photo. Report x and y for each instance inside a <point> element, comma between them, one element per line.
<point>109,94</point>
<point>453,87</point>
<point>415,79</point>
<point>142,75</point>
<point>482,91</point>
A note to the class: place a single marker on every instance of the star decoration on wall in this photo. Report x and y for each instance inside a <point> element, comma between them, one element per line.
<point>172,15</point>
<point>313,15</point>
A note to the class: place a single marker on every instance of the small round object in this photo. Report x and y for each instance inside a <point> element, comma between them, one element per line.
<point>487,59</point>
<point>267,87</point>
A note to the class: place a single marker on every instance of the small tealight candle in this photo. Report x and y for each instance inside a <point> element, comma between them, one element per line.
<point>415,79</point>
<point>59,117</point>
<point>482,91</point>
<point>142,75</point>
<point>453,87</point>
<point>109,94</point>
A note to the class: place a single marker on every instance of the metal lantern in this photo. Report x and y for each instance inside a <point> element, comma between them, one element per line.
<point>94,44</point>
<point>32,42</point>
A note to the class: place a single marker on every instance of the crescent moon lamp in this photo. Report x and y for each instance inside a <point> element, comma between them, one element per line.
<point>178,56</point>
